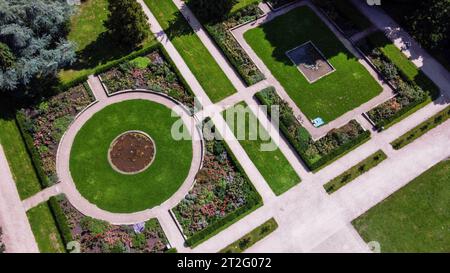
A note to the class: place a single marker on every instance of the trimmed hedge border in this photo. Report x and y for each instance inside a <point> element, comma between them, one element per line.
<point>421,129</point>
<point>255,201</point>
<point>324,160</point>
<point>351,174</point>
<point>61,220</point>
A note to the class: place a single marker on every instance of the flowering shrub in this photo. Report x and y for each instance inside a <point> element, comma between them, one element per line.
<point>96,236</point>
<point>150,72</point>
<point>47,122</point>
<point>315,153</point>
<point>220,191</point>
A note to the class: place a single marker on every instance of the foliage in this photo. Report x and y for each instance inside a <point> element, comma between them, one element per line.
<point>45,123</point>
<point>315,154</point>
<point>7,58</point>
<point>346,177</point>
<point>2,245</point>
<point>421,129</point>
<point>252,237</point>
<point>127,22</point>
<point>222,193</point>
<point>151,72</point>
<point>220,32</point>
<point>211,10</point>
<point>35,33</point>
<point>345,15</point>
<point>99,236</point>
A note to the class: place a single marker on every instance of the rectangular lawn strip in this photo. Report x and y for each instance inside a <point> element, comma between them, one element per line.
<point>421,129</point>
<point>44,229</point>
<point>272,164</point>
<point>339,92</point>
<point>18,158</point>
<point>197,57</point>
<point>240,4</point>
<point>416,218</point>
<point>322,152</point>
<point>95,47</point>
<point>252,237</point>
<point>346,177</point>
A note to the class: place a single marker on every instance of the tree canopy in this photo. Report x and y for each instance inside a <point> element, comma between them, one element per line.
<point>211,10</point>
<point>32,40</point>
<point>127,22</point>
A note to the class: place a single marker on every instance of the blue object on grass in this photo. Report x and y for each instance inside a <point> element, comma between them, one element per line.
<point>317,122</point>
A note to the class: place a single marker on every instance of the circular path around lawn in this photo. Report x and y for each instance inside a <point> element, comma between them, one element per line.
<point>95,188</point>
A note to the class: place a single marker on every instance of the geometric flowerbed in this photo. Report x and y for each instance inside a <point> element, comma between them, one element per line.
<point>317,153</point>
<point>43,126</point>
<point>151,72</point>
<point>220,195</point>
<point>96,236</point>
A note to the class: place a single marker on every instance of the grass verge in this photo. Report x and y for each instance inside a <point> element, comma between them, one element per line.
<point>210,76</point>
<point>346,177</point>
<point>421,129</point>
<point>252,237</point>
<point>261,149</point>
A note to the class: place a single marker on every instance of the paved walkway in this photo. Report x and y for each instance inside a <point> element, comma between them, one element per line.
<point>17,234</point>
<point>67,186</point>
<point>430,67</point>
<point>316,133</point>
<point>309,219</point>
<point>41,196</point>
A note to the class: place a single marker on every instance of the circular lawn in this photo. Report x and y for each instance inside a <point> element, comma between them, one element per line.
<point>101,184</point>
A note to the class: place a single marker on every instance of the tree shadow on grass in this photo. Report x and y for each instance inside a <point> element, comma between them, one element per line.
<point>104,49</point>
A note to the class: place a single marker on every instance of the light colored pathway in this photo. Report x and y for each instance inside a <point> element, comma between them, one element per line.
<point>97,88</point>
<point>316,133</point>
<point>41,196</point>
<point>432,68</point>
<point>67,186</point>
<point>17,233</point>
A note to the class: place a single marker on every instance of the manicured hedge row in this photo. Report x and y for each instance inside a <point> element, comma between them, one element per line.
<point>300,146</point>
<point>61,219</point>
<point>35,158</point>
<point>235,54</point>
<point>346,177</point>
<point>421,129</point>
<point>253,202</point>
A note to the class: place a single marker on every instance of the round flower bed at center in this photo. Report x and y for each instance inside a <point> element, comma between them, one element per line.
<point>132,152</point>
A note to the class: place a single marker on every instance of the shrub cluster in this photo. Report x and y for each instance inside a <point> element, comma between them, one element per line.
<point>410,92</point>
<point>235,54</point>
<point>315,154</point>
<point>152,72</point>
<point>221,195</point>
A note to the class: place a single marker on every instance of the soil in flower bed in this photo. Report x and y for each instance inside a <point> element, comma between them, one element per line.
<point>220,190</point>
<point>151,72</point>
<point>96,236</point>
<point>47,121</point>
<point>132,152</point>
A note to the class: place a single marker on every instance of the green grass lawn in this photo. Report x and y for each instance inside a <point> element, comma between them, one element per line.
<point>337,93</point>
<point>272,164</point>
<point>44,229</point>
<point>252,237</point>
<point>95,47</point>
<point>100,184</point>
<point>213,80</point>
<point>416,218</point>
<point>19,161</point>
<point>349,175</point>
